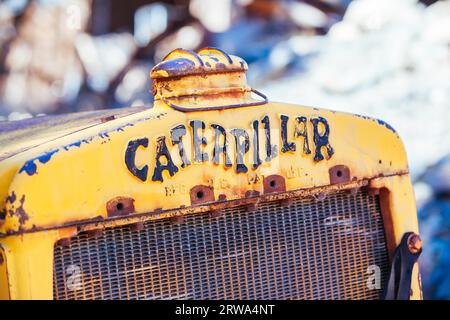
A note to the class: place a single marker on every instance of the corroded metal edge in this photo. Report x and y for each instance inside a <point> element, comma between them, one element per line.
<point>217,206</point>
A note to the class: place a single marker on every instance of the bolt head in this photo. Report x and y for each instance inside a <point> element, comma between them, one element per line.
<point>414,243</point>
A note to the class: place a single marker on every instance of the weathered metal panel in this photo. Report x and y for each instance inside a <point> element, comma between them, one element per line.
<point>129,157</point>
<point>166,162</point>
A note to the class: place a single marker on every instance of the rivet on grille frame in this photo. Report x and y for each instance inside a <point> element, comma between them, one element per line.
<point>274,183</point>
<point>120,206</point>
<point>201,194</point>
<point>339,174</point>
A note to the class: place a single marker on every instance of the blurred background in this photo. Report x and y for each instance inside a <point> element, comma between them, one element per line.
<point>381,58</point>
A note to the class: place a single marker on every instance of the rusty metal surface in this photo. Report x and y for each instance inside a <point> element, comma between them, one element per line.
<point>274,183</point>
<point>206,80</point>
<point>252,199</point>
<point>339,174</point>
<point>181,62</point>
<point>201,194</point>
<point>221,107</point>
<point>120,206</point>
<point>414,243</point>
<point>309,250</point>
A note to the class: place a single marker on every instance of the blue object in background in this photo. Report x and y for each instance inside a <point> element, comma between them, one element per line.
<point>435,260</point>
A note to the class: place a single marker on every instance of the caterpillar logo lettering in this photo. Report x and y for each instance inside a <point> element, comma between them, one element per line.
<point>243,143</point>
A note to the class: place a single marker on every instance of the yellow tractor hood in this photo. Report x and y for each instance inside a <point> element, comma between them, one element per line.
<point>206,141</point>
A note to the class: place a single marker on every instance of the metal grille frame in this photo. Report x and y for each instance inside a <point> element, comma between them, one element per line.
<point>309,250</point>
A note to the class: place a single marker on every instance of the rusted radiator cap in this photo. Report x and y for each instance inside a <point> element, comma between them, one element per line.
<point>209,79</point>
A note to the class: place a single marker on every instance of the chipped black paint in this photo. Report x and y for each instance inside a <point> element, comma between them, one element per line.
<point>176,135</point>
<point>219,132</point>
<point>256,158</point>
<point>302,122</point>
<point>302,128</point>
<point>198,141</point>
<point>11,198</point>
<point>130,155</point>
<point>161,150</point>
<point>18,210</point>
<point>242,147</point>
<point>271,150</point>
<point>287,146</point>
<point>321,140</point>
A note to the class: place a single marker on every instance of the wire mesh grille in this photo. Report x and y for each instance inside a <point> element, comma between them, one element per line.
<point>309,250</point>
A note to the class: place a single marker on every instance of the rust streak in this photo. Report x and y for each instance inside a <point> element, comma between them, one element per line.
<point>101,222</point>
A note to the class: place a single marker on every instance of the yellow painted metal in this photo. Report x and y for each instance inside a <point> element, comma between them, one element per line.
<point>403,215</point>
<point>66,179</point>
<point>77,181</point>
<point>4,279</point>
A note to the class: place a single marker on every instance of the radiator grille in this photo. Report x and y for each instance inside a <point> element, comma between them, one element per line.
<point>310,250</point>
